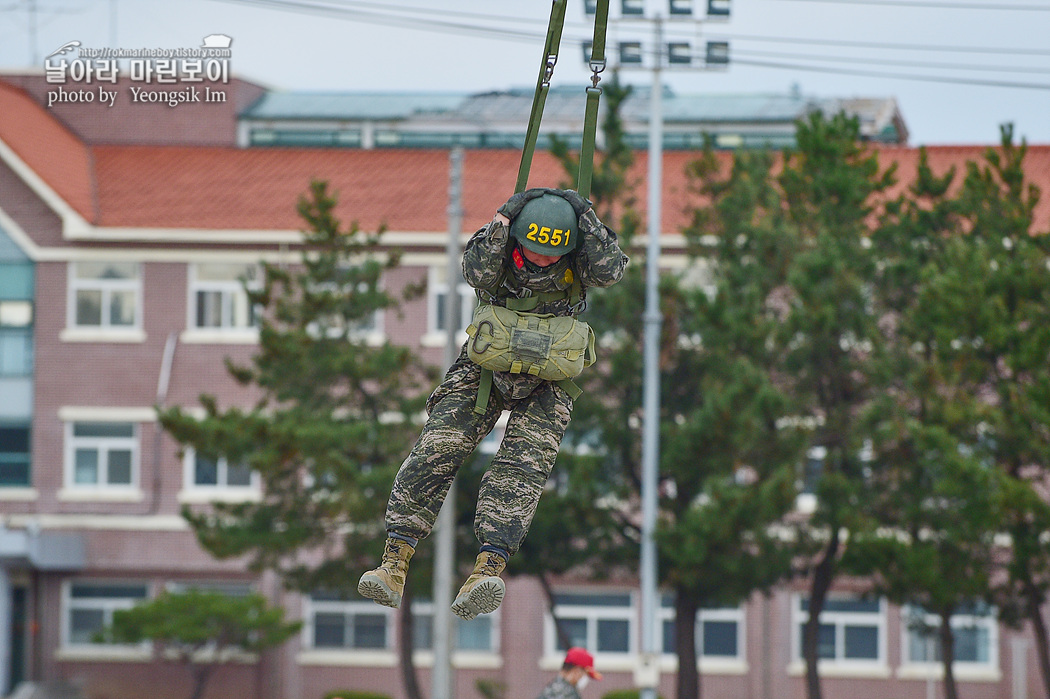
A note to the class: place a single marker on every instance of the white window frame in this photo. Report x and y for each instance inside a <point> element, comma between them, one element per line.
<point>222,491</point>
<point>988,621</point>
<point>840,620</point>
<point>226,333</point>
<point>106,287</point>
<point>592,614</point>
<point>312,607</point>
<point>11,457</point>
<point>16,328</point>
<point>106,605</point>
<point>722,614</point>
<point>103,444</point>
<point>437,285</point>
<point>425,608</point>
<point>226,587</point>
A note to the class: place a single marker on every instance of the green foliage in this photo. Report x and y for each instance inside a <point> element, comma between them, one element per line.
<point>490,689</point>
<point>354,694</point>
<point>331,421</point>
<point>726,471</point>
<point>962,425</point>
<point>624,694</point>
<point>185,623</point>
<point>202,629</point>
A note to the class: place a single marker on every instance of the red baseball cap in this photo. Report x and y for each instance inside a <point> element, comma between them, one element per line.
<point>581,658</point>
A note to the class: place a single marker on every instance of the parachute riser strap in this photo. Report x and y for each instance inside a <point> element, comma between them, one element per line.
<point>590,121</point>
<point>550,59</point>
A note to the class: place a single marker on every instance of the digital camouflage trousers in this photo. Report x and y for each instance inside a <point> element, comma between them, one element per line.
<point>510,490</point>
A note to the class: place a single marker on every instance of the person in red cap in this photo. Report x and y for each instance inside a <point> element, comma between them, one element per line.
<point>576,672</point>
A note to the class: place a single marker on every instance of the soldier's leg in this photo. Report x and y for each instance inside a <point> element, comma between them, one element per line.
<point>511,488</point>
<point>452,431</point>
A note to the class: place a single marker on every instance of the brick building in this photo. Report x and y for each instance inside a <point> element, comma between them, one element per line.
<point>122,239</point>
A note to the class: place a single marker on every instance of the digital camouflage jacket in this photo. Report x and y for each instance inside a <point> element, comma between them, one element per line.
<point>487,261</point>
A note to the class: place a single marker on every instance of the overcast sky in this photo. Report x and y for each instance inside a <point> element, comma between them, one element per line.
<point>988,60</point>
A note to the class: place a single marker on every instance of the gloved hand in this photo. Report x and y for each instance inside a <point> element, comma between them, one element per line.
<point>518,201</point>
<point>579,204</point>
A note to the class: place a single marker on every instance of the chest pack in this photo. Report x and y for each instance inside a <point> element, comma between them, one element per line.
<point>550,347</point>
<point>510,338</point>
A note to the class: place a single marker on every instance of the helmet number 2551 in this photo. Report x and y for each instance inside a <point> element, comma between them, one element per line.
<point>544,235</point>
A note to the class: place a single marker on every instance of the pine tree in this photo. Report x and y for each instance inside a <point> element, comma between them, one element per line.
<point>332,420</point>
<point>993,292</point>
<point>727,457</point>
<point>723,479</point>
<point>934,508</point>
<point>829,335</point>
<point>202,629</point>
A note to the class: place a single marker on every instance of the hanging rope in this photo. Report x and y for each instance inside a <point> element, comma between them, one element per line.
<point>590,122</point>
<point>543,83</point>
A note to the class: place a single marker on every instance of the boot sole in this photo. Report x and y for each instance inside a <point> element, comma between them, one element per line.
<point>483,598</point>
<point>372,587</point>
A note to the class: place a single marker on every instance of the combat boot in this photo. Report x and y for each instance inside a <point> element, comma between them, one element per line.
<point>386,584</point>
<point>483,591</point>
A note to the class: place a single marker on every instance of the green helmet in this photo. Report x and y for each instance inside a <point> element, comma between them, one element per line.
<point>546,225</point>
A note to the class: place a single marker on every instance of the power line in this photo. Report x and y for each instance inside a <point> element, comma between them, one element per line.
<point>940,48</point>
<point>895,76</point>
<point>940,5</point>
<point>433,25</point>
<point>891,62</point>
<point>359,4</point>
<point>347,10</point>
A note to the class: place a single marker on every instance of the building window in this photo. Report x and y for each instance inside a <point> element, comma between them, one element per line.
<point>230,589</point>
<point>203,471</point>
<point>335,623</point>
<point>479,635</point>
<point>602,622</point>
<point>90,607</point>
<point>974,630</point>
<point>16,338</point>
<point>438,291</point>
<point>719,630</point>
<point>102,454</point>
<point>852,629</point>
<point>105,294</point>
<point>218,299</point>
<point>14,456</point>
<point>813,469</point>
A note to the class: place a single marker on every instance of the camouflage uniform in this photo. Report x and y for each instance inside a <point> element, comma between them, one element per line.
<point>559,689</point>
<point>539,410</point>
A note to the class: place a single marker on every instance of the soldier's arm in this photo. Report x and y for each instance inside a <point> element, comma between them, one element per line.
<point>600,260</point>
<point>483,256</point>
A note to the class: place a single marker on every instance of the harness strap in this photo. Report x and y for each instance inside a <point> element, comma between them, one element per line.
<point>529,303</point>
<point>570,387</point>
<point>484,389</point>
<point>590,121</point>
<point>550,58</point>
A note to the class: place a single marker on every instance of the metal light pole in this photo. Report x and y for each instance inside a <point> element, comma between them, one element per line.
<point>647,671</point>
<point>445,527</point>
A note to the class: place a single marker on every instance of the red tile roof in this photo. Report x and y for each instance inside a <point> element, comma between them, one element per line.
<point>407,190</point>
<point>227,188</point>
<point>50,149</point>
